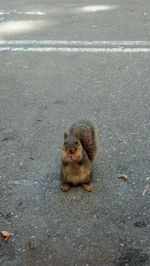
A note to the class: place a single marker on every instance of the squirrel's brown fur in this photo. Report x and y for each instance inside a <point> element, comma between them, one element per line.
<point>78,153</point>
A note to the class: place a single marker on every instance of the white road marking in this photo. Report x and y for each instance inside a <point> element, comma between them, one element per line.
<point>75,50</point>
<point>75,43</point>
<point>75,46</point>
<point>40,13</point>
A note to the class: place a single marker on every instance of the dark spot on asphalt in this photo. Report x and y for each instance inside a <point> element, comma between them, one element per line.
<point>32,244</point>
<point>39,120</point>
<point>6,215</point>
<point>5,139</point>
<point>31,158</point>
<point>140,224</point>
<point>8,136</point>
<point>59,102</point>
<point>132,257</point>
<point>19,204</point>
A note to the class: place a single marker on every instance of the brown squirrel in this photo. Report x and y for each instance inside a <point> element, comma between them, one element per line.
<point>78,152</point>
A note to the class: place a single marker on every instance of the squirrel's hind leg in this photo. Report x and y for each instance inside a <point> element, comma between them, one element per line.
<point>65,187</point>
<point>87,186</point>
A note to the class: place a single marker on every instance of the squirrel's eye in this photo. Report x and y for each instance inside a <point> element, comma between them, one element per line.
<point>76,142</point>
<point>65,143</point>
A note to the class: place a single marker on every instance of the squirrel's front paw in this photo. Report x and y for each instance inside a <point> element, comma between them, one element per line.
<point>65,187</point>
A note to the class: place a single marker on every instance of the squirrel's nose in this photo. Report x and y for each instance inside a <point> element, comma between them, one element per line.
<point>71,151</point>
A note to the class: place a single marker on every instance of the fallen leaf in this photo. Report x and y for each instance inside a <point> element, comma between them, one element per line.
<point>6,235</point>
<point>146,189</point>
<point>124,177</point>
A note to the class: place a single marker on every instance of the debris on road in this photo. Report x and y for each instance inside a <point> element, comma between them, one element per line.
<point>140,224</point>
<point>6,235</point>
<point>32,243</point>
<point>146,190</point>
<point>124,177</point>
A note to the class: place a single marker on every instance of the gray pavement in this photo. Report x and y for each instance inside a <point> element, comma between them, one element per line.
<point>40,94</point>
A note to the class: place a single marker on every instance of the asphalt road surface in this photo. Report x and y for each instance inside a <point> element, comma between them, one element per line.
<point>61,61</point>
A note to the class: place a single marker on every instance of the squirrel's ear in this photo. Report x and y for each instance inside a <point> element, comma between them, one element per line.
<point>65,135</point>
<point>77,135</point>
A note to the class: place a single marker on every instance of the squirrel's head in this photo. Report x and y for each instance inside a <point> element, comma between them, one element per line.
<point>72,148</point>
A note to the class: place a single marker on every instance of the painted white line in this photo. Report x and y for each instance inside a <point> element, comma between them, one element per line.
<point>75,50</point>
<point>75,46</point>
<point>40,13</point>
<point>76,43</point>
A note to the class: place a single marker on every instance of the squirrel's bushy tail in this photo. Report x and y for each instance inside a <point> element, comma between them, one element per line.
<point>88,133</point>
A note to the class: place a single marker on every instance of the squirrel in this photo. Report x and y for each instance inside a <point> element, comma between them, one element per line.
<point>78,153</point>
